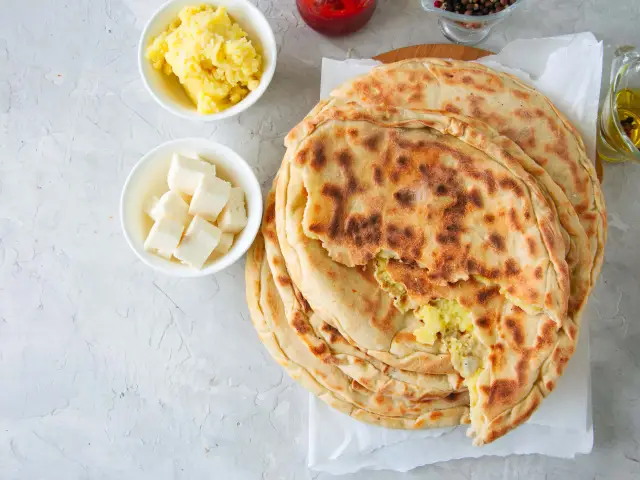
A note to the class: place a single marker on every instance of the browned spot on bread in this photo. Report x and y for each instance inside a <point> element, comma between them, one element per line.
<point>511,184</point>
<point>300,323</point>
<point>485,177</point>
<point>497,357</point>
<point>371,142</point>
<point>319,350</point>
<point>538,273</point>
<point>502,392</point>
<point>345,159</point>
<point>275,260</point>
<point>453,397</point>
<point>476,198</point>
<point>447,238</point>
<point>533,247</point>
<point>483,322</point>
<point>335,193</point>
<point>303,301</point>
<point>301,156</point>
<point>441,190</point>
<point>516,331</point>
<point>489,218</point>
<point>333,333</point>
<point>405,337</point>
<point>364,381</point>
<point>318,156</point>
<point>511,267</point>
<point>452,109</point>
<point>284,280</point>
<point>496,241</point>
<point>316,228</point>
<point>364,230</point>
<point>270,214</point>
<point>269,233</point>
<point>378,176</point>
<point>405,197</point>
<point>515,221</point>
<point>435,415</point>
<point>472,266</point>
<point>520,94</point>
<point>352,132</point>
<point>548,299</point>
<point>357,387</point>
<point>523,114</point>
<point>467,80</point>
<point>546,335</point>
<point>550,385</point>
<point>485,294</point>
<point>402,160</point>
<point>404,240</point>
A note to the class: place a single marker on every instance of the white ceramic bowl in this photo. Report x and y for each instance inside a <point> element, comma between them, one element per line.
<point>168,92</point>
<point>149,178</point>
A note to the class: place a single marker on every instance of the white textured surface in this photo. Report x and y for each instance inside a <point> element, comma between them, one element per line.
<point>110,371</point>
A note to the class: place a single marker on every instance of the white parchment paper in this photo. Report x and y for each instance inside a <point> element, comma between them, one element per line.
<point>568,70</point>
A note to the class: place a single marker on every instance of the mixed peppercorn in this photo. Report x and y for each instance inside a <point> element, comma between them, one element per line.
<point>473,7</point>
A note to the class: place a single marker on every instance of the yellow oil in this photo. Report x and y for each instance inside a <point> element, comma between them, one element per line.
<point>627,105</point>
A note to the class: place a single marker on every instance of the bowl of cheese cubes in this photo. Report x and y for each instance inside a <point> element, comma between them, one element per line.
<point>191,207</point>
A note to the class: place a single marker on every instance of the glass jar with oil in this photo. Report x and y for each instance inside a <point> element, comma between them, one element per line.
<point>619,132</point>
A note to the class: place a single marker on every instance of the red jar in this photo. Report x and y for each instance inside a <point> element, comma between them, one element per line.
<point>336,17</point>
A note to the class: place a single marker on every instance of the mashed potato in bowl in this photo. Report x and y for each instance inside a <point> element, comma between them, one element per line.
<point>211,56</point>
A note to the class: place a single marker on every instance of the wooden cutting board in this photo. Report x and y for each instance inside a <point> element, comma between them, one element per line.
<point>441,50</point>
<point>437,50</point>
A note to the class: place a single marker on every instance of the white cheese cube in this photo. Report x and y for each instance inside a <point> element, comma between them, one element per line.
<point>164,237</point>
<point>233,217</point>
<point>185,173</point>
<point>226,240</point>
<point>199,241</point>
<point>149,204</point>
<point>210,197</point>
<point>171,205</point>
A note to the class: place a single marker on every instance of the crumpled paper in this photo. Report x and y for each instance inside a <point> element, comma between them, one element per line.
<point>568,70</point>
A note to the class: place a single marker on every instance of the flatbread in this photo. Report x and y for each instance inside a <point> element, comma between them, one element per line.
<point>508,106</point>
<point>421,182</point>
<point>355,183</point>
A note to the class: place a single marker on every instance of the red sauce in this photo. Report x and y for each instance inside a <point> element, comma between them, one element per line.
<point>336,17</point>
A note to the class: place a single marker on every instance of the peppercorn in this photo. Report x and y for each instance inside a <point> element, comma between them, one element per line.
<point>473,7</point>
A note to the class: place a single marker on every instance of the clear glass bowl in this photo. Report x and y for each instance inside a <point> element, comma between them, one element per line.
<point>467,29</point>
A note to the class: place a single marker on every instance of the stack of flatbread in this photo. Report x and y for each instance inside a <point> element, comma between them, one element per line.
<point>428,248</point>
